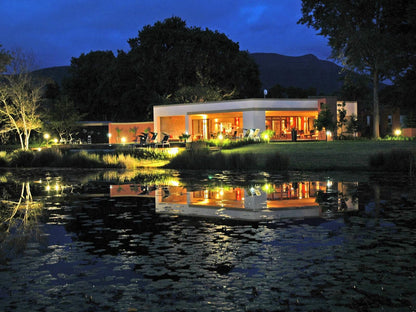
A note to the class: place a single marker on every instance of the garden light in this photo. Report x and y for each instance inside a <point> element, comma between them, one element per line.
<point>123,140</point>
<point>46,136</point>
<point>397,132</point>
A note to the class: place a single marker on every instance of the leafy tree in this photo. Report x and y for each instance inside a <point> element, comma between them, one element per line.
<point>62,118</point>
<point>374,37</point>
<point>20,96</point>
<point>353,125</point>
<point>325,120</point>
<point>91,86</point>
<point>169,56</point>
<point>5,59</point>
<point>198,94</point>
<point>342,118</point>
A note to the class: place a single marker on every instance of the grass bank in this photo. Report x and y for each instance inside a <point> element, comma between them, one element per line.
<point>54,157</point>
<point>336,155</point>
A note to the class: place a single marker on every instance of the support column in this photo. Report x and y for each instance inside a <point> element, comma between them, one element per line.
<point>254,120</point>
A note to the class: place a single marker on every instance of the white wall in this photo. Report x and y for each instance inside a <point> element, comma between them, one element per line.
<point>254,120</point>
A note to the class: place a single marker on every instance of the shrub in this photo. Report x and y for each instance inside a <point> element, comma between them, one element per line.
<point>21,158</point>
<point>204,159</point>
<point>145,153</point>
<point>111,161</point>
<point>3,159</point>
<point>394,161</point>
<point>49,157</point>
<point>120,161</point>
<point>230,144</point>
<point>82,160</point>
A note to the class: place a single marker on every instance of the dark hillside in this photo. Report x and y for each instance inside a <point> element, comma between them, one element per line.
<point>302,72</point>
<point>57,74</point>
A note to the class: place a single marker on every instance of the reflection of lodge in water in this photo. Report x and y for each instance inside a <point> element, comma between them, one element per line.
<point>287,200</point>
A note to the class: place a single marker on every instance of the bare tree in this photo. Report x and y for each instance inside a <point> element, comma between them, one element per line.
<point>20,96</point>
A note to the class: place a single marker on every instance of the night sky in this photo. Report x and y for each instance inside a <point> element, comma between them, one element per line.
<point>56,30</point>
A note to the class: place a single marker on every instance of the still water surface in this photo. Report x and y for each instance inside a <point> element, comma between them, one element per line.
<point>169,241</point>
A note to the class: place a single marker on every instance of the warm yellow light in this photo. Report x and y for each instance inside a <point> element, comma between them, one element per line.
<point>46,136</point>
<point>123,140</point>
<point>172,182</point>
<point>109,135</point>
<point>173,151</point>
<point>56,187</point>
<point>48,188</point>
<point>397,132</point>
<point>328,133</point>
<point>220,137</point>
<point>55,140</point>
<point>39,149</point>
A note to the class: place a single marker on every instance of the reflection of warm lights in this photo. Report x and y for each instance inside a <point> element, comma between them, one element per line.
<point>56,187</point>
<point>238,194</point>
<point>206,194</point>
<point>329,183</point>
<point>39,149</point>
<point>48,188</point>
<point>172,182</point>
<point>397,132</point>
<point>221,192</point>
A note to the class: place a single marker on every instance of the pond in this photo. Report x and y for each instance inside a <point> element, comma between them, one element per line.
<point>185,241</point>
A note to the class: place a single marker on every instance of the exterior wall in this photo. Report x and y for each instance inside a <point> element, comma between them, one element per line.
<point>127,130</point>
<point>409,132</point>
<point>254,120</point>
<point>172,125</point>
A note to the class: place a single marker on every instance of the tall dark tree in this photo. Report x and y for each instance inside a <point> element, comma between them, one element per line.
<point>166,63</point>
<point>91,86</point>
<point>169,56</point>
<point>5,59</point>
<point>369,36</point>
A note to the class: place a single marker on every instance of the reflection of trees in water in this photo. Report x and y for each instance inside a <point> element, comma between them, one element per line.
<point>19,221</point>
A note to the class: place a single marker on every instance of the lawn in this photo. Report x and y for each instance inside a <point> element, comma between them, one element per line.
<point>336,155</point>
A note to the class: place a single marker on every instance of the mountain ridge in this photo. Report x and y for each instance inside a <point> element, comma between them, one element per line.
<point>298,71</point>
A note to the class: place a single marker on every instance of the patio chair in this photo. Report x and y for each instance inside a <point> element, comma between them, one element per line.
<point>255,135</point>
<point>247,134</point>
<point>165,140</point>
<point>151,140</point>
<point>143,139</point>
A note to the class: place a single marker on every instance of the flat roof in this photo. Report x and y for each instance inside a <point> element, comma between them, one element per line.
<point>236,105</point>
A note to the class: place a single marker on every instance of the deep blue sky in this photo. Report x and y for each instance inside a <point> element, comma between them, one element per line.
<point>56,30</point>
